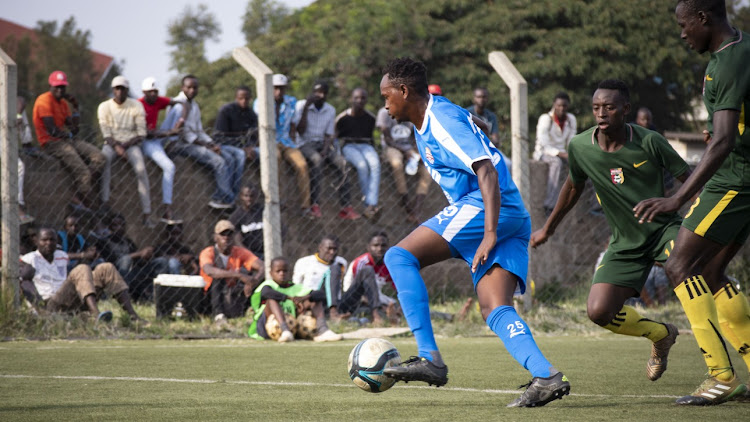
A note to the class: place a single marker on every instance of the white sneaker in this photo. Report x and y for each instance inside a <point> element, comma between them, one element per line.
<point>286,337</point>
<point>219,205</point>
<point>328,335</point>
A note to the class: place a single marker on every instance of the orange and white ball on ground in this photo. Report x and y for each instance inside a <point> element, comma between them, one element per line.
<point>307,326</point>
<point>367,361</point>
<point>273,328</point>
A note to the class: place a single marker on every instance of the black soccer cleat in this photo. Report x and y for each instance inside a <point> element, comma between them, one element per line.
<point>540,391</point>
<point>420,369</point>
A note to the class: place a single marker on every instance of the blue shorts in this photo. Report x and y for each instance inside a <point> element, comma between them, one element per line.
<point>462,226</point>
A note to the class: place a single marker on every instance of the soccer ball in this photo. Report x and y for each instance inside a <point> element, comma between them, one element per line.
<point>367,361</point>
<point>273,328</point>
<point>307,326</point>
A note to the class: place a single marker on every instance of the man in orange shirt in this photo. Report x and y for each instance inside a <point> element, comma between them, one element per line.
<point>56,128</point>
<point>231,273</point>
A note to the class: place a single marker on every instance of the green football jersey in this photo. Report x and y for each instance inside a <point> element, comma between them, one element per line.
<point>726,86</point>
<point>625,177</point>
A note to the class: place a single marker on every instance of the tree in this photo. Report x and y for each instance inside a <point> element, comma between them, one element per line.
<point>188,34</point>
<point>260,16</point>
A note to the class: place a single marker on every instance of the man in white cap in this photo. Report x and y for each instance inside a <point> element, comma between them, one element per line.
<point>122,121</point>
<point>286,139</point>
<point>153,147</point>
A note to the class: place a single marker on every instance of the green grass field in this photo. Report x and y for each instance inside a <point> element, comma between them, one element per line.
<point>242,379</point>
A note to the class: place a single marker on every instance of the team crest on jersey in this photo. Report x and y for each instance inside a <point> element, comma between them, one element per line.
<point>618,177</point>
<point>428,155</point>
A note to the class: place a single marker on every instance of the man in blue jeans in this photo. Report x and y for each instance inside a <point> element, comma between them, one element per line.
<point>354,129</point>
<point>226,162</point>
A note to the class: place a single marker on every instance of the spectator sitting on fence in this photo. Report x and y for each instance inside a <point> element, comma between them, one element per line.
<point>248,220</point>
<point>24,136</point>
<point>237,124</point>
<point>71,241</point>
<point>122,121</point>
<point>354,127</point>
<point>46,281</point>
<point>365,279</point>
<point>280,299</point>
<point>399,145</point>
<point>179,258</point>
<point>323,272</point>
<point>554,130</point>
<point>56,129</point>
<point>286,140</point>
<point>136,266</point>
<point>193,142</point>
<point>153,147</point>
<point>231,273</point>
<point>314,119</point>
<point>479,109</point>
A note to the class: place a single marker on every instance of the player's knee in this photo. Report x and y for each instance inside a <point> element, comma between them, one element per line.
<point>678,270</point>
<point>599,314</point>
<point>398,256</point>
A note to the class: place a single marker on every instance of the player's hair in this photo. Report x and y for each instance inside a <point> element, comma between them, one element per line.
<point>409,72</point>
<point>617,85</point>
<point>188,76</point>
<point>244,88</point>
<point>716,8</point>
<point>329,236</point>
<point>279,259</point>
<point>644,109</point>
<point>379,233</point>
<point>562,96</point>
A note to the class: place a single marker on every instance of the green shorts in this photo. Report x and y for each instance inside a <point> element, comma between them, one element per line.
<point>630,268</point>
<point>720,214</point>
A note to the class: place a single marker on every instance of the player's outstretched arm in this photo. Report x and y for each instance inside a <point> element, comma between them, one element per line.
<point>487,180</point>
<point>568,197</point>
<point>719,147</point>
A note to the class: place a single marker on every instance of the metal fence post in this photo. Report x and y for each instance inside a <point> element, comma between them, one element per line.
<point>519,126</point>
<point>9,176</point>
<point>269,175</point>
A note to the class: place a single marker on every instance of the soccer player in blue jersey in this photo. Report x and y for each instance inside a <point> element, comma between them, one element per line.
<point>486,224</point>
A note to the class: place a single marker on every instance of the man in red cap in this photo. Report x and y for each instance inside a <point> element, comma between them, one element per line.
<point>56,128</point>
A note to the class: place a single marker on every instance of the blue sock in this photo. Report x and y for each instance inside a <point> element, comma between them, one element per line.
<point>519,342</point>
<point>412,293</point>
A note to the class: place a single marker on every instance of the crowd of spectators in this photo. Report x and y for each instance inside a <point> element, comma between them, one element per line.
<point>68,270</point>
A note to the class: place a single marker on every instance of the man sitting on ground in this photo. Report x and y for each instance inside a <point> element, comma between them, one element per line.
<point>50,284</point>
<point>323,272</point>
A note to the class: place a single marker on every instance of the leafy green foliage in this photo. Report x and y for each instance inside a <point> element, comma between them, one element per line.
<point>188,34</point>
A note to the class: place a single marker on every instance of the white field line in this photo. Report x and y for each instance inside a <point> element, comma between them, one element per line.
<point>302,384</point>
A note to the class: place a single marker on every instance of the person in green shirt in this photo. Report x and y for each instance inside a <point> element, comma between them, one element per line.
<point>286,301</point>
<point>718,223</point>
<point>625,164</point>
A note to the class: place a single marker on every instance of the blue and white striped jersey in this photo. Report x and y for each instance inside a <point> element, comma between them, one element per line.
<point>449,143</point>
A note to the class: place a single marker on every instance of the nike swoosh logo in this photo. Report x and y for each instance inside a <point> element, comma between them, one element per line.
<point>636,165</point>
<point>709,78</point>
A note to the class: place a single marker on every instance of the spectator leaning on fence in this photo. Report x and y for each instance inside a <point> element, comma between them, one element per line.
<point>122,121</point>
<point>237,124</point>
<point>178,256</point>
<point>24,136</point>
<point>399,146</point>
<point>47,283</point>
<point>137,266</point>
<point>196,144</point>
<point>286,140</point>
<point>323,272</point>
<point>314,119</point>
<point>231,273</point>
<point>153,147</point>
<point>354,127</point>
<point>479,109</point>
<point>248,220</point>
<point>56,129</point>
<point>554,130</point>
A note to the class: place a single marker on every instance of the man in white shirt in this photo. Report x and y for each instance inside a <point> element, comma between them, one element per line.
<point>51,284</point>
<point>554,130</point>
<point>196,144</point>
<point>323,273</point>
